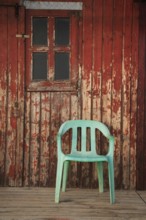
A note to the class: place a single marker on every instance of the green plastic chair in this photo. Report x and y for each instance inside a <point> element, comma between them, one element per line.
<point>80,127</point>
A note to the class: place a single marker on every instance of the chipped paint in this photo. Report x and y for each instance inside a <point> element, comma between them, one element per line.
<point>103,87</point>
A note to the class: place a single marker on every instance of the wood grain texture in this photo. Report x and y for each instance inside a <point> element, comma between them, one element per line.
<point>107,39</point>
<point>75,204</point>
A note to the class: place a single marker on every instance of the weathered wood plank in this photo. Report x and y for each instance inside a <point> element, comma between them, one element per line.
<point>87,74</point>
<point>107,61</point>
<point>134,83</point>
<point>54,127</point>
<point>12,99</point>
<point>97,61</point>
<point>75,114</point>
<point>3,92</point>
<point>20,97</point>
<point>126,88</point>
<point>87,59</point>
<point>75,204</point>
<point>26,163</point>
<point>117,87</point>
<point>141,98</point>
<point>44,138</point>
<point>35,139</point>
<point>106,90</point>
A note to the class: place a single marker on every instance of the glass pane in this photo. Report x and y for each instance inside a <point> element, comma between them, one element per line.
<point>61,66</point>
<point>62,31</point>
<point>40,31</point>
<point>39,71</point>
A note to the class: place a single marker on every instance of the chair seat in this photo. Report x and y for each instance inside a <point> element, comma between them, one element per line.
<point>80,157</point>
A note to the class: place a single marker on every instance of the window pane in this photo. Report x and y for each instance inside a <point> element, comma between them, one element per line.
<point>62,31</point>
<point>39,66</point>
<point>40,31</point>
<point>61,66</point>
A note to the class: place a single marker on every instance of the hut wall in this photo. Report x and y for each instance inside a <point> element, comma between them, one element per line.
<point>107,91</point>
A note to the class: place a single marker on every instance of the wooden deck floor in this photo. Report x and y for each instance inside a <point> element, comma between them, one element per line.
<point>76,204</point>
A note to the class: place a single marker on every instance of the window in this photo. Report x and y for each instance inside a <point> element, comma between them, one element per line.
<point>52,50</point>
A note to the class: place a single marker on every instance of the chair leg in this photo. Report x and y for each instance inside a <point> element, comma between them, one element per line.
<point>65,175</point>
<point>58,180</point>
<point>100,176</point>
<point>111,181</point>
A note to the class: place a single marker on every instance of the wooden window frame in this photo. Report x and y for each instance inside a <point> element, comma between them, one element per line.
<point>73,48</point>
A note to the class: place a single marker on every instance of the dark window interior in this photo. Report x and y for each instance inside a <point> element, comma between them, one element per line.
<point>40,66</point>
<point>61,66</point>
<point>62,26</point>
<point>40,31</point>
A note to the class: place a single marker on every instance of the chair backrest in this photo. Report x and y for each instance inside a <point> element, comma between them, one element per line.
<point>83,125</point>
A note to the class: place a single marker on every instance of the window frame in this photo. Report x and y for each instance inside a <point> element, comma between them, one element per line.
<point>51,48</point>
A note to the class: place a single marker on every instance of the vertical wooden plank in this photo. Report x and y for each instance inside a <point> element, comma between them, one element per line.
<point>12,99</point>
<point>143,152</point>
<point>35,139</point>
<point>44,139</point>
<point>87,76</point>
<point>75,106</point>
<point>107,60</point>
<point>97,55</point>
<point>116,87</point>
<point>54,124</point>
<point>126,83</point>
<point>141,97</point>
<point>20,99</point>
<point>27,134</point>
<point>65,107</point>
<point>144,72</point>
<point>75,112</point>
<point>97,69</point>
<point>66,115</point>
<point>3,90</point>
<point>134,82</point>
<point>87,59</point>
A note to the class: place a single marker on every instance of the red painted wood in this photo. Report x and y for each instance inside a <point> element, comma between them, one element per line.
<point>19,114</point>
<point>104,88</point>
<point>12,98</point>
<point>126,87</point>
<point>141,101</point>
<point>134,82</point>
<point>3,91</point>
<point>97,54</point>
<point>107,60</point>
<point>44,139</point>
<point>54,123</point>
<point>87,78</point>
<point>117,87</point>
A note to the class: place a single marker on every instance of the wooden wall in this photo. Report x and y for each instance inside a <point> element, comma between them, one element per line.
<point>141,116</point>
<point>11,97</point>
<point>108,77</point>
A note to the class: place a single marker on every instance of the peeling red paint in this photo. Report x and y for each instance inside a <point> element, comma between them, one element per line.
<point>12,169</point>
<point>103,87</point>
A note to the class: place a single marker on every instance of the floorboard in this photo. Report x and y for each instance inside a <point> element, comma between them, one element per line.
<point>75,204</point>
